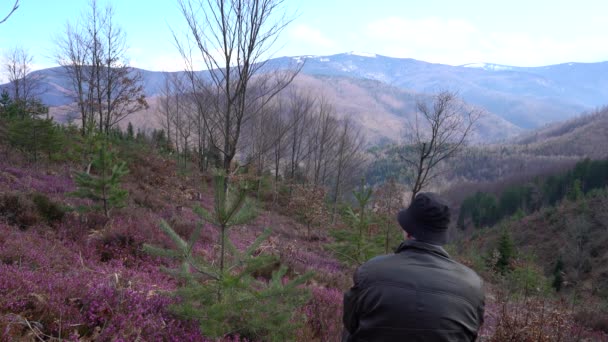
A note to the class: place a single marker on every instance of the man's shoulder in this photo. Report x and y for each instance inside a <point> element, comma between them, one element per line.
<point>379,262</point>
<point>473,278</point>
<point>378,267</point>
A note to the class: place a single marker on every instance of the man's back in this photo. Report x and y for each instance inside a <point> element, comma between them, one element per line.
<point>417,294</point>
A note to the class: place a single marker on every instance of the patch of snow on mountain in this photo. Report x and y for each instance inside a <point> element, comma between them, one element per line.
<point>488,66</point>
<point>475,65</point>
<point>323,59</point>
<point>300,59</point>
<point>362,54</point>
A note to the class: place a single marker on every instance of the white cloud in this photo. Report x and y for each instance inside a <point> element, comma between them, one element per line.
<point>456,42</point>
<point>309,35</point>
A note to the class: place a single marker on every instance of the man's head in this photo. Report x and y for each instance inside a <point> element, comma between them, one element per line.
<point>426,219</point>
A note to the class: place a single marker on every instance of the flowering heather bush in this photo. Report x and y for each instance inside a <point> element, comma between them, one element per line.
<point>324,316</point>
<point>28,179</point>
<point>537,319</point>
<point>60,288</point>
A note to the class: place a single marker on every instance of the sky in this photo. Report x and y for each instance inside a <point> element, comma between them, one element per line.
<point>455,32</point>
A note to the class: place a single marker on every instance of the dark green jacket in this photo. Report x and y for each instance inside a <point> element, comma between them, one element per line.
<point>416,294</point>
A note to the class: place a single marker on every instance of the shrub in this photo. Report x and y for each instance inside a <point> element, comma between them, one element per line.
<point>526,279</point>
<point>308,206</point>
<point>530,321</point>
<point>19,210</point>
<point>51,211</point>
<point>593,319</point>
<point>324,316</point>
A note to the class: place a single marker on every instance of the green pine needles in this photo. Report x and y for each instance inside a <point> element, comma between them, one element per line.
<point>35,136</point>
<point>357,244</point>
<point>224,295</point>
<point>506,250</point>
<point>102,183</point>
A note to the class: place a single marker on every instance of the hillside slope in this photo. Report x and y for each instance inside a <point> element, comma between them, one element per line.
<point>585,136</point>
<point>381,110</point>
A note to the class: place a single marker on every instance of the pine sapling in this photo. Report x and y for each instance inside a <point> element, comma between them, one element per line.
<point>224,294</point>
<point>104,185</point>
<point>357,244</point>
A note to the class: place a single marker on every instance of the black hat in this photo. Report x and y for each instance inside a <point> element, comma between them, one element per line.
<point>426,219</point>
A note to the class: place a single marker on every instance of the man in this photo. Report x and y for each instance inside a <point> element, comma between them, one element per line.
<point>418,293</point>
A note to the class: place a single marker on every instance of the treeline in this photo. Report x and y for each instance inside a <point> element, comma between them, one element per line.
<point>485,209</point>
<point>474,166</point>
<point>24,126</point>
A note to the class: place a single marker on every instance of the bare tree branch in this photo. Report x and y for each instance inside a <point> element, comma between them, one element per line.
<point>105,89</point>
<point>15,6</point>
<point>233,38</point>
<point>441,134</point>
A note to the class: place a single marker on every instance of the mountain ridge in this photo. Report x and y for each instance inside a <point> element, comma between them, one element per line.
<point>524,97</point>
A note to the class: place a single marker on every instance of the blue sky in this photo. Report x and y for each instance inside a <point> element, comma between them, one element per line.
<point>516,32</point>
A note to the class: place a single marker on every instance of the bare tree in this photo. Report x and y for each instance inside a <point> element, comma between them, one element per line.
<point>164,109</point>
<point>122,86</point>
<point>299,114</point>
<point>25,87</point>
<point>73,54</point>
<point>321,142</point>
<point>348,158</point>
<point>178,113</point>
<point>201,102</point>
<point>439,131</point>
<point>105,89</point>
<point>387,200</point>
<point>278,128</point>
<point>15,7</point>
<point>233,37</point>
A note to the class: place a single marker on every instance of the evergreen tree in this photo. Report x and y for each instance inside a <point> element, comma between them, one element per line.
<point>130,131</point>
<point>224,295</point>
<point>5,102</point>
<point>506,251</point>
<point>104,185</point>
<point>576,191</point>
<point>159,139</point>
<point>356,244</point>
<point>558,278</point>
<point>35,136</point>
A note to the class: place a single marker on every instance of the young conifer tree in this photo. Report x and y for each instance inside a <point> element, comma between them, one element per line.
<point>102,182</point>
<point>223,294</point>
<point>35,136</point>
<point>506,250</point>
<point>357,244</point>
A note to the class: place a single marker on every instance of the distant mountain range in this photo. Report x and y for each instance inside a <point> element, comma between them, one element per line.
<point>526,97</point>
<point>379,92</point>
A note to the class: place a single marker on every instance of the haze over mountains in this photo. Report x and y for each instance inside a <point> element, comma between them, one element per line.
<point>380,92</point>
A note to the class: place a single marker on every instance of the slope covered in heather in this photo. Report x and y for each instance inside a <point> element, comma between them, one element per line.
<point>86,277</point>
<point>70,274</point>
